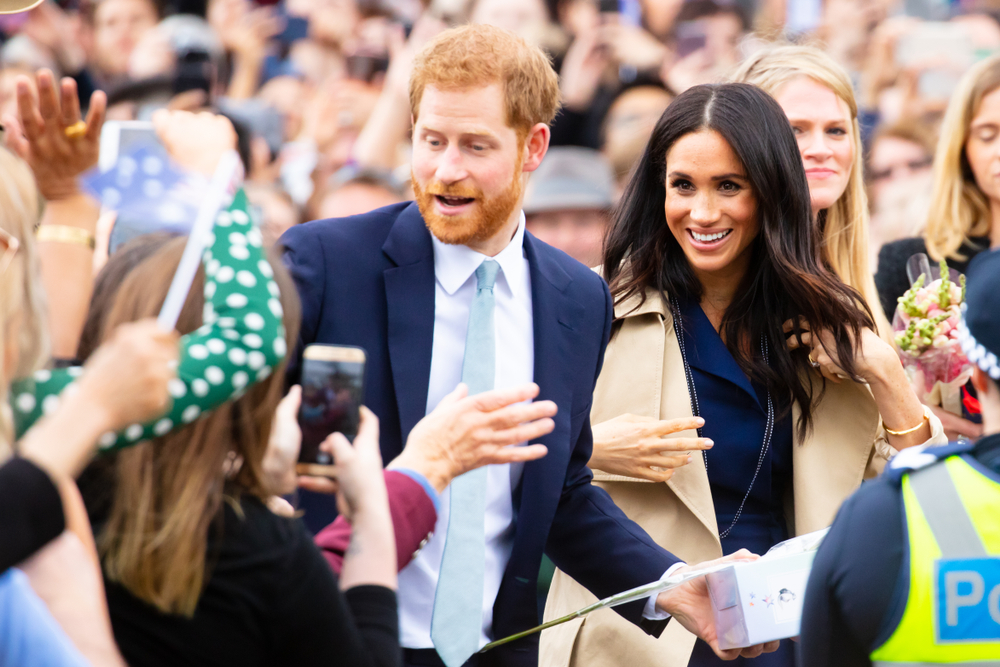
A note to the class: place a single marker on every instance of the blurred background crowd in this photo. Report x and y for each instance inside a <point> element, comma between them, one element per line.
<point>317,89</point>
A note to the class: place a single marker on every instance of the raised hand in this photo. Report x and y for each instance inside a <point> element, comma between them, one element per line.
<point>635,446</point>
<point>50,136</point>
<point>467,432</point>
<point>283,445</point>
<point>124,382</point>
<point>126,378</point>
<point>196,141</point>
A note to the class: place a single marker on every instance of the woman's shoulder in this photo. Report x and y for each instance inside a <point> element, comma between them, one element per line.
<point>896,253</point>
<point>249,528</point>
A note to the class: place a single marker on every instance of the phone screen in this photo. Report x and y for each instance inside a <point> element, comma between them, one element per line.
<point>332,391</point>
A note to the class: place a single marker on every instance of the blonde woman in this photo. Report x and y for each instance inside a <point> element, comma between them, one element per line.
<point>38,499</point>
<point>816,95</point>
<point>964,216</point>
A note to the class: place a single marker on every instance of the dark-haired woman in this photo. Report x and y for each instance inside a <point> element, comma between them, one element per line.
<point>725,313</point>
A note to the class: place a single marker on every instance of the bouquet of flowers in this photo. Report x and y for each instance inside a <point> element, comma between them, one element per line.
<point>926,326</point>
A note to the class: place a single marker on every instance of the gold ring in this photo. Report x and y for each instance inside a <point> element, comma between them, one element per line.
<point>76,130</point>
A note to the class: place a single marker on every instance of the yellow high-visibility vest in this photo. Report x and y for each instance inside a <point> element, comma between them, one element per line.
<point>952,613</point>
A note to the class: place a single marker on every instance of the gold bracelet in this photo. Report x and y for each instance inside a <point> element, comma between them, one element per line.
<point>909,430</point>
<point>65,234</point>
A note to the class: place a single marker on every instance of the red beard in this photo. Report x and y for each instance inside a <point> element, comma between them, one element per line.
<point>486,219</point>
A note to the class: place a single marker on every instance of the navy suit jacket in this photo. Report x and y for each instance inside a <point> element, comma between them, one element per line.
<point>369,280</point>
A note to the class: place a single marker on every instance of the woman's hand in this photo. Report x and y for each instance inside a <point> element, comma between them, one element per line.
<point>630,45</point>
<point>871,360</point>
<point>582,69</point>
<point>635,446</point>
<point>877,365</point>
<point>283,445</point>
<point>196,141</point>
<point>38,136</point>
<point>955,426</point>
<point>127,376</point>
<point>124,382</point>
<point>358,470</point>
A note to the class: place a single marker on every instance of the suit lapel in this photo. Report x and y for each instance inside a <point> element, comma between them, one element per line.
<point>555,325</point>
<point>409,293</point>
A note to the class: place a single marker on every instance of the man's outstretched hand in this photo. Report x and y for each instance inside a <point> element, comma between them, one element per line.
<point>691,606</point>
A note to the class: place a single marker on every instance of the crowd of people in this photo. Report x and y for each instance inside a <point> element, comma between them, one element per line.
<point>626,275</point>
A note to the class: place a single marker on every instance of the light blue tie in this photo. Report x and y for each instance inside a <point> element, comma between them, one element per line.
<point>457,621</point>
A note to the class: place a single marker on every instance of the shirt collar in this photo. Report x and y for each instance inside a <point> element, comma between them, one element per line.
<point>455,264</point>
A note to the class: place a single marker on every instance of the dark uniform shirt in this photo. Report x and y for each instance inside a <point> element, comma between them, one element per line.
<point>860,579</point>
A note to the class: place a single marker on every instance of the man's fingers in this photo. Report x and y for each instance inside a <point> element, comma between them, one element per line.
<point>771,647</point>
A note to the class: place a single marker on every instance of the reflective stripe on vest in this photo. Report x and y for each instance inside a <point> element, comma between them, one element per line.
<point>952,613</point>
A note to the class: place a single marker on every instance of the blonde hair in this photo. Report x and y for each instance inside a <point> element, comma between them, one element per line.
<point>479,55</point>
<point>959,210</point>
<point>22,301</point>
<point>845,229</point>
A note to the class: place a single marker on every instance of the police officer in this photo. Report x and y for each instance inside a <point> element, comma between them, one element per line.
<point>909,573</point>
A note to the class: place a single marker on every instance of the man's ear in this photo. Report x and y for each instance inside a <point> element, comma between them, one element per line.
<point>536,144</point>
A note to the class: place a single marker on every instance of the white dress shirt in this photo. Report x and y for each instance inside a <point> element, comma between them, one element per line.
<point>455,287</point>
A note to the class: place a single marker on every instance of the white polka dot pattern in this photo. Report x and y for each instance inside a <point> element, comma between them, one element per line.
<point>240,342</point>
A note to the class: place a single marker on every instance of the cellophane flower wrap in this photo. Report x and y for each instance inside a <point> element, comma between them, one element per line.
<point>926,334</point>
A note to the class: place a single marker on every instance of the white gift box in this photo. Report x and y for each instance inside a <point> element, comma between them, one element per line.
<point>759,601</point>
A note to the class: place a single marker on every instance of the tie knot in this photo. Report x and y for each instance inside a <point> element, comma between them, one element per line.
<point>486,274</point>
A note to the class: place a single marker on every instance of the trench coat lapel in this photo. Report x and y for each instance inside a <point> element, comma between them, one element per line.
<point>646,345</point>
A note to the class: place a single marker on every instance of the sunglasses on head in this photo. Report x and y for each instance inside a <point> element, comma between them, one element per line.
<point>8,246</point>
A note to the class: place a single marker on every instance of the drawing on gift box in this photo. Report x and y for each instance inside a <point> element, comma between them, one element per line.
<point>786,591</point>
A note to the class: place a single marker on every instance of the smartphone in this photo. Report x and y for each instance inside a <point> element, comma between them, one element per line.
<point>119,137</point>
<point>691,36</point>
<point>333,383</point>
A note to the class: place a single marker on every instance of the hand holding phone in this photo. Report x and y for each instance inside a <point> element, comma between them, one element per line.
<point>332,391</point>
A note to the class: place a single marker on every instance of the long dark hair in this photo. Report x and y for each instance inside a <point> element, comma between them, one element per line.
<point>786,280</point>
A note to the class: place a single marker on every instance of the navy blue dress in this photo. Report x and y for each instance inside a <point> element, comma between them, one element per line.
<point>735,413</point>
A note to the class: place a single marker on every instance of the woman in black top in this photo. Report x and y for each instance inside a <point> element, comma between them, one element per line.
<point>964,217</point>
<point>198,570</point>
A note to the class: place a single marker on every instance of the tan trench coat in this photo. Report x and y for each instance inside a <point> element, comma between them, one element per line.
<point>643,374</point>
